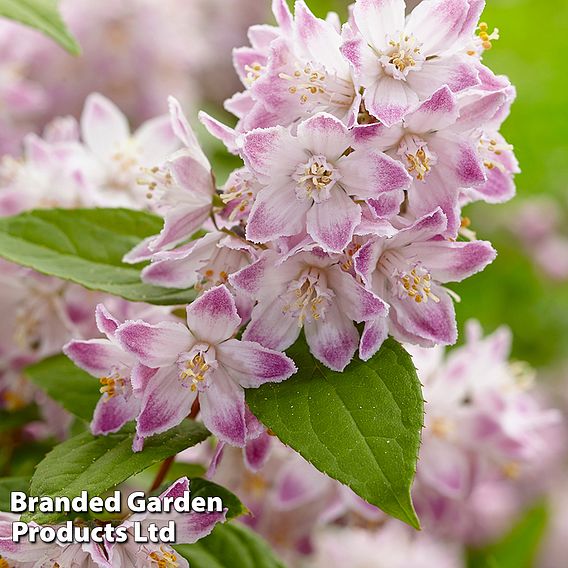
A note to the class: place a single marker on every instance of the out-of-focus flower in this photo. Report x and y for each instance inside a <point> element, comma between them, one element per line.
<point>390,546</point>
<point>485,431</point>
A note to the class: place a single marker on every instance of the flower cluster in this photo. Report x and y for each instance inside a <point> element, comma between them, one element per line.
<point>346,212</point>
<point>486,432</point>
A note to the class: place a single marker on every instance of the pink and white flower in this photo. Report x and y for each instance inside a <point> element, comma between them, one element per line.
<point>401,61</point>
<point>308,290</point>
<point>107,361</point>
<point>120,155</point>
<point>312,181</point>
<point>190,527</point>
<point>202,359</point>
<point>407,270</point>
<point>181,190</point>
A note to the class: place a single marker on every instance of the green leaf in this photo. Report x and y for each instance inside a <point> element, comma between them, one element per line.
<point>42,15</point>
<point>86,246</point>
<point>97,464</point>
<point>230,545</point>
<point>519,548</point>
<point>9,484</point>
<point>64,382</point>
<point>205,488</point>
<point>361,427</point>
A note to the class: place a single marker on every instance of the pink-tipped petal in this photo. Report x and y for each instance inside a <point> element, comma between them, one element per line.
<point>96,356</point>
<point>154,345</point>
<point>439,24</point>
<point>165,403</point>
<point>432,321</point>
<point>373,336</point>
<point>358,303</point>
<point>223,409</point>
<point>261,328</point>
<point>106,322</point>
<point>325,135</point>
<point>332,223</point>
<point>276,213</point>
<point>334,340</point>
<point>213,317</point>
<point>450,261</point>
<point>111,414</point>
<point>252,365</point>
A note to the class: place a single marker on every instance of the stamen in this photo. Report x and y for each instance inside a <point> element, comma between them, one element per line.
<point>315,179</point>
<point>312,83</point>
<point>308,297</point>
<point>418,285</point>
<point>164,558</point>
<point>196,370</point>
<point>254,72</point>
<point>111,386</point>
<point>418,157</point>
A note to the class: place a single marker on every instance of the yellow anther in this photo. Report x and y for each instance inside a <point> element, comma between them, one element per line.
<point>164,559</point>
<point>111,386</point>
<point>196,370</point>
<point>418,163</point>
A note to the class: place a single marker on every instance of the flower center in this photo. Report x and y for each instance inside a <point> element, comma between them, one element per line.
<point>419,160</point>
<point>313,84</point>
<point>308,297</point>
<point>417,285</point>
<point>315,179</point>
<point>414,282</point>
<point>112,385</point>
<point>4,563</point>
<point>490,149</point>
<point>401,56</point>
<point>254,72</point>
<point>195,367</point>
<point>441,427</point>
<point>164,559</point>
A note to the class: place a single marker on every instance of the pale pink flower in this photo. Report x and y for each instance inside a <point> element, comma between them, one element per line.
<point>308,290</point>
<point>401,61</point>
<point>181,190</point>
<point>119,155</point>
<point>203,360</point>
<point>393,545</point>
<point>408,271</point>
<point>314,180</point>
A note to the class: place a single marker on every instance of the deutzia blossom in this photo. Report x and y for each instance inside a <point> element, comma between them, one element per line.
<point>301,72</point>
<point>408,270</point>
<point>309,290</point>
<point>313,180</point>
<point>118,154</point>
<point>203,360</point>
<point>484,430</point>
<point>108,362</point>
<point>190,527</point>
<point>401,61</point>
